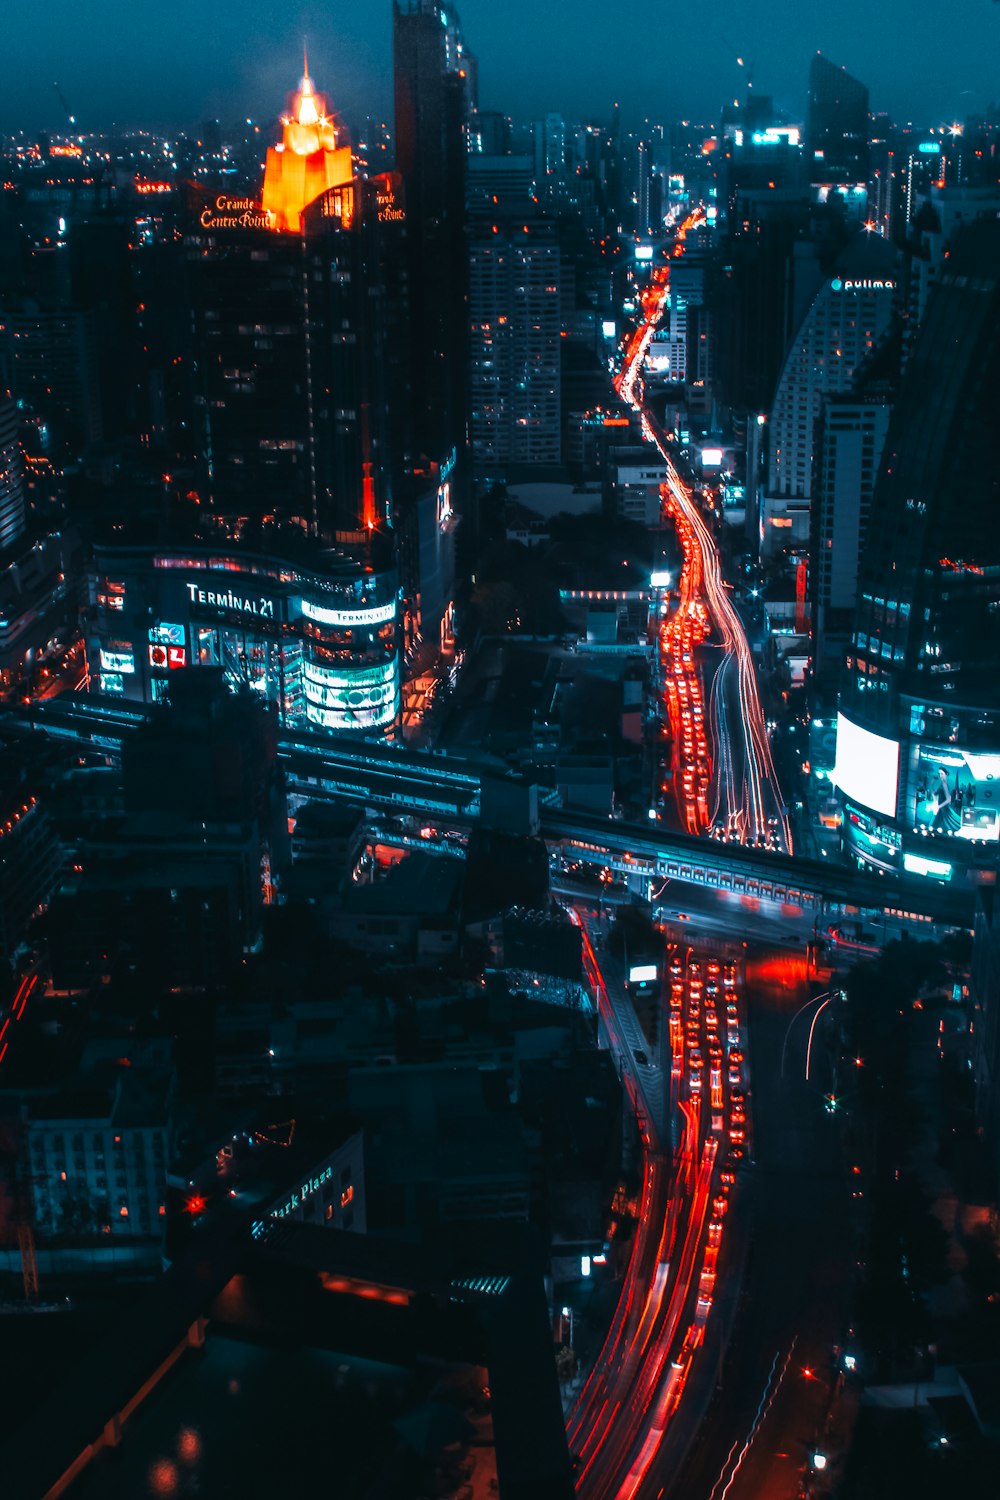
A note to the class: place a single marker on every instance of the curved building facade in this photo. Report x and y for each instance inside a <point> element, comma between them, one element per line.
<point>849,315</point>
<point>318,639</point>
<point>918,755</point>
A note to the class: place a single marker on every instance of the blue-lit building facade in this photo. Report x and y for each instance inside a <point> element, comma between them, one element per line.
<point>318,638</point>
<point>918,748</point>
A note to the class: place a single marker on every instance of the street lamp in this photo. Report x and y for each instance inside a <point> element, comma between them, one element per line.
<point>826,997</point>
<point>819,1462</point>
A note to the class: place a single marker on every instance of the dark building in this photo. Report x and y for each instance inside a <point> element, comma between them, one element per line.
<point>918,753</point>
<point>11,476</point>
<point>515,338</point>
<point>435,92</point>
<point>289,338</point>
<point>29,857</point>
<point>836,128</point>
<point>174,892</point>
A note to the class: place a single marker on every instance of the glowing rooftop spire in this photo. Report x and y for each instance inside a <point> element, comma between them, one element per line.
<point>309,159</point>
<point>308,111</point>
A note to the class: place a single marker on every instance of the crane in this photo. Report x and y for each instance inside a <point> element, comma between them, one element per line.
<point>71,117</point>
<point>747,68</point>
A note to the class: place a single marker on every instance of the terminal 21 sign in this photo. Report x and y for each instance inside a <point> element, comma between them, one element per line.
<point>260,608</point>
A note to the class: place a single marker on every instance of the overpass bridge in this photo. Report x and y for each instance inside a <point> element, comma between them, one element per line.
<point>447,791</point>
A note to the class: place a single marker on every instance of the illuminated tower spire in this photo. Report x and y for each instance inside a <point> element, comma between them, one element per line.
<point>307,161</point>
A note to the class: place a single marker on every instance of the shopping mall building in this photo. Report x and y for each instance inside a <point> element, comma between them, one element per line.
<point>316,638</point>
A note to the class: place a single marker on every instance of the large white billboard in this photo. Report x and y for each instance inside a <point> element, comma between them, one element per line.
<point>867,769</point>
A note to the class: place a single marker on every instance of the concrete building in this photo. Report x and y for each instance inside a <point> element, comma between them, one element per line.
<point>515,329</point>
<point>849,315</point>
<point>96,1149</point>
<point>851,437</point>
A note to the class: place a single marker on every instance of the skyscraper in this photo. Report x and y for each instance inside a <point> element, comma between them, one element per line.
<point>11,476</point>
<point>290,584</point>
<point>435,91</point>
<point>289,300</point>
<point>847,318</point>
<point>918,752</point>
<point>515,342</point>
<point>836,127</point>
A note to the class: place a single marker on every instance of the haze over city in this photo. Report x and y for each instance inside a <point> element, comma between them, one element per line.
<point>135,65</point>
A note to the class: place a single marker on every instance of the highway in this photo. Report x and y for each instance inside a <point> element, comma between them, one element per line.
<point>749,807</point>
<point>632,1394</point>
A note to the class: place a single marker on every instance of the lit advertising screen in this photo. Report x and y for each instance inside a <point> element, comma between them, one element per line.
<point>957,793</point>
<point>117,661</point>
<point>867,769</point>
<point>642,974</point>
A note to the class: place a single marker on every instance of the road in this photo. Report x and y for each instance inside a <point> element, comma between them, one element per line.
<point>632,1393</point>
<point>749,807</point>
<point>780,1366</point>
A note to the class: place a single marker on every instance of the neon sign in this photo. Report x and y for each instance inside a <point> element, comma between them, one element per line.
<point>375,614</point>
<point>237,213</point>
<point>863,284</point>
<point>261,607</point>
<point>296,1198</point>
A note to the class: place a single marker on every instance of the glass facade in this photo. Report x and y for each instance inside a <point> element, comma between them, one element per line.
<point>320,643</point>
<point>922,664</point>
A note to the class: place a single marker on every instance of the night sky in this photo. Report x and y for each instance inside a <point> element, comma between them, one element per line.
<point>175,63</point>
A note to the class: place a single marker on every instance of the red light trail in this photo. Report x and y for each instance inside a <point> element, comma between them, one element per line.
<point>622,1413</point>
<point>748,806</point>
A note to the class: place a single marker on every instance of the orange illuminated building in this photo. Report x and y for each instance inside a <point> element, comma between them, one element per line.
<point>306,162</point>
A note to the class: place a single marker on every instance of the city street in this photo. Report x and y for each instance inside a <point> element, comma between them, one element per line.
<point>767,1418</point>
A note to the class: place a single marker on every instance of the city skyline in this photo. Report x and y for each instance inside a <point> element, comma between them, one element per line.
<point>210,62</point>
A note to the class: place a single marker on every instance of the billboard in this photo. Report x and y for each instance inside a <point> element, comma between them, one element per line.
<point>957,793</point>
<point>867,769</point>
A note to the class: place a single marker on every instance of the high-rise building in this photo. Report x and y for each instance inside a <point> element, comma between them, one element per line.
<point>515,323</point>
<point>435,93</point>
<point>918,750</point>
<point>763,152</point>
<point>837,132</point>
<point>11,476</point>
<point>851,435</point>
<point>49,363</point>
<point>290,582</point>
<point>849,315</point>
<point>289,299</point>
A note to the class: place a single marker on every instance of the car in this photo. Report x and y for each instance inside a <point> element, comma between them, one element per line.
<point>640,1056</point>
<point>694,969</point>
<point>695,1059</point>
<point>735,1055</point>
<point>735,1076</point>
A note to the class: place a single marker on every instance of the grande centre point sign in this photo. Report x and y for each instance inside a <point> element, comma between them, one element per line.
<point>237,213</point>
